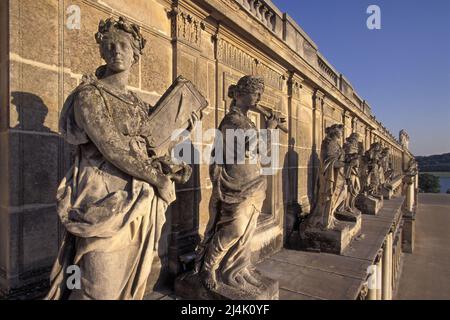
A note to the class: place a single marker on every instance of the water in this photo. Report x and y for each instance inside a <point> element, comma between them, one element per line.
<point>445,183</point>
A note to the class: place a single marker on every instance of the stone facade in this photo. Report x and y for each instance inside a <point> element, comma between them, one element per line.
<point>211,42</point>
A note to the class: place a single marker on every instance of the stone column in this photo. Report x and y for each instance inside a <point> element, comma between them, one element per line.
<point>408,232</point>
<point>347,121</point>
<point>379,276</point>
<point>318,101</point>
<point>372,284</point>
<point>410,194</point>
<point>387,268</point>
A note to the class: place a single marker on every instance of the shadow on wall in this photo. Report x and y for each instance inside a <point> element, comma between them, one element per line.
<point>292,207</point>
<point>31,111</point>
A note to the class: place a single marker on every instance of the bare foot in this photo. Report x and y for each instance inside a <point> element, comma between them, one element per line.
<point>208,279</point>
<point>251,279</point>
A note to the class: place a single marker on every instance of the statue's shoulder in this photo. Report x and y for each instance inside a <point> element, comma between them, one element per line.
<point>235,120</point>
<point>88,91</point>
<point>89,83</point>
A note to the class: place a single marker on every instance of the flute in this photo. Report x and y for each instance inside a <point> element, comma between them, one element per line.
<point>269,114</point>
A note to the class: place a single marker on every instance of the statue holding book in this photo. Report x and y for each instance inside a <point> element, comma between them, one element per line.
<point>113,200</point>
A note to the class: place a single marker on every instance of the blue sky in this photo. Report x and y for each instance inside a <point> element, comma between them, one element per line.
<point>402,70</point>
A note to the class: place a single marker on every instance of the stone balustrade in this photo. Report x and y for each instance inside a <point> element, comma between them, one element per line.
<point>327,70</point>
<point>261,11</point>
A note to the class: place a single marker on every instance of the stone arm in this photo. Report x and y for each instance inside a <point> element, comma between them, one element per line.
<point>92,115</point>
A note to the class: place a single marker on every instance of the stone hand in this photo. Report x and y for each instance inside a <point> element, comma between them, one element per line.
<point>182,176</point>
<point>274,121</point>
<point>138,147</point>
<point>193,120</point>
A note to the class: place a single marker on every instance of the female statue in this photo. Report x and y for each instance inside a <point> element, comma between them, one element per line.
<point>113,200</point>
<point>238,195</point>
<point>332,185</point>
<point>351,148</point>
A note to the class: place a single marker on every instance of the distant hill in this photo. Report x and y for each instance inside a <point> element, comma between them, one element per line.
<point>435,163</point>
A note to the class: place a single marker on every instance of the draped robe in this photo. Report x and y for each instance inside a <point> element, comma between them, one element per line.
<point>238,194</point>
<point>331,188</point>
<point>113,217</point>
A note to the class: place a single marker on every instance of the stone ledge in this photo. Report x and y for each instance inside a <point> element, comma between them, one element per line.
<point>309,275</point>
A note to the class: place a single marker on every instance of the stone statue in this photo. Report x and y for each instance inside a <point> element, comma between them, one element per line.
<point>386,172</point>
<point>328,228</point>
<point>386,164</point>
<point>113,200</point>
<point>223,263</point>
<point>370,199</point>
<point>352,156</point>
<point>413,168</point>
<point>373,156</point>
<point>404,139</point>
<point>332,187</point>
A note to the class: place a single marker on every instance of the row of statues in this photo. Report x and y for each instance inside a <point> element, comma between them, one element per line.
<point>349,181</point>
<point>113,200</point>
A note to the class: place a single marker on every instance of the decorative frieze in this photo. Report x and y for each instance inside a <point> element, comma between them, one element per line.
<point>234,57</point>
<point>242,61</point>
<point>186,27</point>
<point>327,71</point>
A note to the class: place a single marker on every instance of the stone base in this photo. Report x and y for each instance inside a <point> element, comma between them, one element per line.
<point>188,286</point>
<point>369,204</point>
<point>331,241</point>
<point>408,232</point>
<point>387,193</point>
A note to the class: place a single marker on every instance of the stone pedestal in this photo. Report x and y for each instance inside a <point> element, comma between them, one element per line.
<point>188,286</point>
<point>387,269</point>
<point>408,232</point>
<point>333,240</point>
<point>369,204</point>
<point>387,193</point>
<point>410,197</point>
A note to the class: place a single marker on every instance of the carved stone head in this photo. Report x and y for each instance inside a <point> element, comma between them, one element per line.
<point>334,131</point>
<point>121,43</point>
<point>352,144</point>
<point>376,147</point>
<point>247,91</point>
